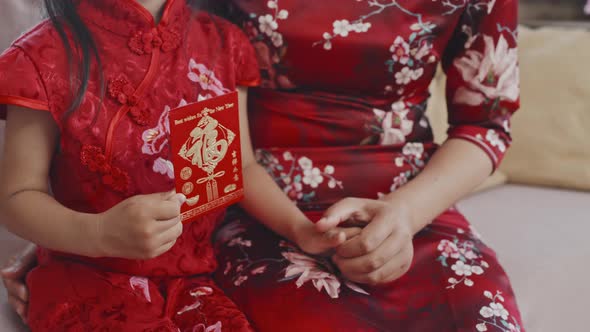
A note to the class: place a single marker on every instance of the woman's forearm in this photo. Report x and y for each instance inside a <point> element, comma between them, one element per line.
<point>39,218</point>
<point>265,201</point>
<point>454,171</point>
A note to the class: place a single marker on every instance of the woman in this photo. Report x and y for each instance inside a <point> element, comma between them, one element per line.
<point>340,125</point>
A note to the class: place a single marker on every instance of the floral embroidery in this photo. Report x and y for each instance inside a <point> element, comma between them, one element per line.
<point>455,6</point>
<point>299,173</point>
<point>300,266</point>
<point>494,138</point>
<point>268,24</point>
<point>205,77</point>
<point>156,139</point>
<point>121,90</point>
<point>495,315</point>
<point>163,37</point>
<point>393,126</point>
<point>198,292</point>
<point>141,284</point>
<point>466,260</point>
<point>163,166</point>
<point>213,328</point>
<point>95,160</point>
<point>317,270</point>
<point>491,76</point>
<point>413,155</point>
<point>270,45</point>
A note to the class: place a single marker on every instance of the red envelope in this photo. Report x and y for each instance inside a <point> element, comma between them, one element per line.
<point>206,154</point>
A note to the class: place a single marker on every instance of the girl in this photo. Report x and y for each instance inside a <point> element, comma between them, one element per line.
<point>89,93</point>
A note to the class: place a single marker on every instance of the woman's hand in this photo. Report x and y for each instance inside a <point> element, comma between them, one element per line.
<point>317,242</point>
<point>383,251</point>
<point>140,227</point>
<point>14,275</point>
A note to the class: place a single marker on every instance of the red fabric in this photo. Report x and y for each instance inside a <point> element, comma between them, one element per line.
<point>340,113</point>
<point>111,151</point>
<point>68,296</point>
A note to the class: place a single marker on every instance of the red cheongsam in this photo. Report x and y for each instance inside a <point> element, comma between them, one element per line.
<point>115,146</point>
<point>341,113</point>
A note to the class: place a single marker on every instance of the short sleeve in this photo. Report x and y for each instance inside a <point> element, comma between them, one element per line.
<point>481,62</point>
<point>20,82</point>
<point>247,70</point>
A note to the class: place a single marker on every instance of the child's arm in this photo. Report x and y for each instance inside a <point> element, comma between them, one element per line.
<point>265,201</point>
<point>130,229</point>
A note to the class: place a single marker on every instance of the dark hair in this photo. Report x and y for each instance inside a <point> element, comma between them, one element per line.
<point>83,49</point>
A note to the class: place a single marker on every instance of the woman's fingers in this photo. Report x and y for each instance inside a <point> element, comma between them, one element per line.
<point>373,261</point>
<point>391,271</point>
<point>346,209</point>
<point>371,237</point>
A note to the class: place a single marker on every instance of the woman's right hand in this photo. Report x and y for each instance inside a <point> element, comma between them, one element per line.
<point>140,227</point>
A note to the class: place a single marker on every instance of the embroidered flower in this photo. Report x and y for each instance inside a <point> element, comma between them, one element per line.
<point>305,163</point>
<point>277,39</point>
<point>490,76</point>
<point>240,280</point>
<point>448,249</point>
<point>486,312</point>
<point>413,149</point>
<point>481,327</point>
<point>294,191</point>
<point>141,284</point>
<point>163,166</point>
<point>267,24</point>
<point>164,38</point>
<point>341,28</point>
<point>400,51</point>
<point>461,269</point>
<point>206,78</point>
<point>313,177</point>
<point>212,328</point>
<point>239,242</point>
<point>494,138</point>
<point>498,310</point>
<point>155,139</point>
<point>258,270</point>
<point>307,269</point>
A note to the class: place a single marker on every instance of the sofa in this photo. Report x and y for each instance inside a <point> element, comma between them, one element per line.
<point>535,211</point>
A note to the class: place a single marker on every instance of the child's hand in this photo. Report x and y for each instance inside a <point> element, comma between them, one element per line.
<point>141,227</point>
<point>316,242</point>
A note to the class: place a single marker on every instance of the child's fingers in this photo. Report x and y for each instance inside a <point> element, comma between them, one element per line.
<point>17,289</point>
<point>171,233</point>
<point>20,264</point>
<point>180,198</point>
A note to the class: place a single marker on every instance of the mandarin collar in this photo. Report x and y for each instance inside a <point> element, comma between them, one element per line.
<point>127,17</point>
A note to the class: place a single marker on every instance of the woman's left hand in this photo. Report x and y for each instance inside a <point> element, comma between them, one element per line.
<point>383,251</point>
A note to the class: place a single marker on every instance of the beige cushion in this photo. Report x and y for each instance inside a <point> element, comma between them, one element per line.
<point>552,131</point>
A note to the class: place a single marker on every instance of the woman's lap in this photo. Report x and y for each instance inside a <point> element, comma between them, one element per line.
<point>68,296</point>
<point>455,284</point>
